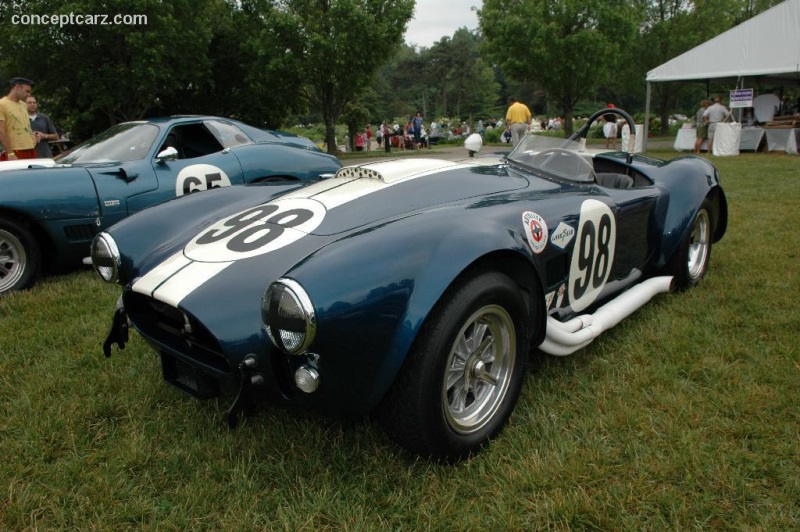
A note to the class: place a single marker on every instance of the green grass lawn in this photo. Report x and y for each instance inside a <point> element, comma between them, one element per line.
<point>684,416</point>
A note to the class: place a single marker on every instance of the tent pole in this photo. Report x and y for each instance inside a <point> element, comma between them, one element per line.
<point>646,118</point>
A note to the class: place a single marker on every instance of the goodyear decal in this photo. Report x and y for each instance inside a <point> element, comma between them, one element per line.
<point>562,235</point>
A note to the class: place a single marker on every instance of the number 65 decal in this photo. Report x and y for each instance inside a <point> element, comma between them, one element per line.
<point>256,231</point>
<point>592,255</point>
<point>197,177</point>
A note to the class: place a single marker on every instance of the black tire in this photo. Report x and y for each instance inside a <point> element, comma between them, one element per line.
<point>20,257</point>
<point>691,260</point>
<point>444,404</point>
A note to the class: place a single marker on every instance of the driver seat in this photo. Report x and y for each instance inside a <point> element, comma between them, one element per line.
<point>613,180</point>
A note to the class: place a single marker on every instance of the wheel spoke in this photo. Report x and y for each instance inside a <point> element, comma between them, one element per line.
<point>454,378</point>
<point>458,399</point>
<point>478,334</point>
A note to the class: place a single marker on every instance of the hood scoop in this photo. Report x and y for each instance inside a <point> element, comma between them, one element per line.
<point>390,172</point>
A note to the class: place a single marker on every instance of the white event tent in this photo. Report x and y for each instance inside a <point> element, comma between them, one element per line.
<point>763,48</point>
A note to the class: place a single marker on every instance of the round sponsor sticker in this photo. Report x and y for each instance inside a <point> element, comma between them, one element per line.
<point>535,231</point>
<point>197,177</point>
<point>257,230</point>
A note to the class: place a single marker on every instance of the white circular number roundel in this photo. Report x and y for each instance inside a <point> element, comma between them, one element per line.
<point>197,177</point>
<point>592,255</point>
<point>256,231</point>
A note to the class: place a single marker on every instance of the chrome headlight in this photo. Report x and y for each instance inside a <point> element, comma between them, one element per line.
<point>105,257</point>
<point>289,316</point>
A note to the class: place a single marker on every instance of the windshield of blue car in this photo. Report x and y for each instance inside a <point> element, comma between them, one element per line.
<point>559,157</point>
<point>124,142</point>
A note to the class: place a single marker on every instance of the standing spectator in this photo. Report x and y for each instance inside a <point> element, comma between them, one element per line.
<point>379,135</point>
<point>610,128</point>
<point>701,125</point>
<point>43,128</point>
<point>518,117</point>
<point>715,114</point>
<point>387,136</point>
<point>16,134</point>
<point>369,138</point>
<point>416,123</point>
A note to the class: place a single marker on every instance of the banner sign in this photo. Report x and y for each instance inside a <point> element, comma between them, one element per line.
<point>741,98</point>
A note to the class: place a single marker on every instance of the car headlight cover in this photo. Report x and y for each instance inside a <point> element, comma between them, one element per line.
<point>289,316</point>
<point>105,257</point>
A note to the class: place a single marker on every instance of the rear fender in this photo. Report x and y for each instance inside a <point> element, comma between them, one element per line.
<point>263,161</point>
<point>686,185</point>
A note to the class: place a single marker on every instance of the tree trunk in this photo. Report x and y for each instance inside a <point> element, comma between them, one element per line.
<point>330,136</point>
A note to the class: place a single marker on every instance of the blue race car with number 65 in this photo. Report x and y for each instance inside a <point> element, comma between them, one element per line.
<point>49,215</point>
<point>412,290</point>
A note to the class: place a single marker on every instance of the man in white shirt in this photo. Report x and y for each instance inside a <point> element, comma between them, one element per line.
<point>716,113</point>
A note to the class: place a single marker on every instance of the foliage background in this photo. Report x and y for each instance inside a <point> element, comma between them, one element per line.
<point>280,63</point>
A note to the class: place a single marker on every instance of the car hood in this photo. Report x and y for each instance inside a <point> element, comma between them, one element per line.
<point>216,265</point>
<point>379,192</point>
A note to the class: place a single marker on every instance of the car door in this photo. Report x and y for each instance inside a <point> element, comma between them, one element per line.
<point>602,245</point>
<point>202,162</point>
<point>633,210</point>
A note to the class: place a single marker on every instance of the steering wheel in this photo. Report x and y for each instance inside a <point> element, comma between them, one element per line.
<point>583,132</point>
<point>544,157</point>
<point>547,154</point>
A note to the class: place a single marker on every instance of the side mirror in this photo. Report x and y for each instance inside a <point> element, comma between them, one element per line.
<point>169,154</point>
<point>473,144</point>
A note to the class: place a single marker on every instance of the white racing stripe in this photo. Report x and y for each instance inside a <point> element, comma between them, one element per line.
<point>178,276</point>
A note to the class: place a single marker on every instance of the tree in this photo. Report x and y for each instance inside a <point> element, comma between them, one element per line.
<point>344,43</point>
<point>106,73</point>
<point>465,81</point>
<point>571,47</point>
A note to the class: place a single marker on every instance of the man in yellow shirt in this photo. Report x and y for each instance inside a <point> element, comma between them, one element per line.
<point>518,117</point>
<point>16,134</point>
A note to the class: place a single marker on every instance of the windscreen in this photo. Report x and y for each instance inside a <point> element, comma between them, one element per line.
<point>124,142</point>
<point>559,157</point>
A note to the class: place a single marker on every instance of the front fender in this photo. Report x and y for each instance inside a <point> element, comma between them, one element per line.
<point>180,219</point>
<point>49,193</point>
<point>372,305</point>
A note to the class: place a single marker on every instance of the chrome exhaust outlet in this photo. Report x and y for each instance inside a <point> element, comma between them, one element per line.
<point>564,338</point>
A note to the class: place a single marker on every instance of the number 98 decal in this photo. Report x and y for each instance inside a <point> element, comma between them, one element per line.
<point>197,177</point>
<point>256,231</point>
<point>592,255</point>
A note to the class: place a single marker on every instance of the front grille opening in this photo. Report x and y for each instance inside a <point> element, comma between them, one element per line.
<point>166,325</point>
<point>188,378</point>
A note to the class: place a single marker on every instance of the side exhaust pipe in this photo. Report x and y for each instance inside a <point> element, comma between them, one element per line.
<point>564,338</point>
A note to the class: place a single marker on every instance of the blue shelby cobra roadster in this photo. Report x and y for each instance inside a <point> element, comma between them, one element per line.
<point>412,290</point>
